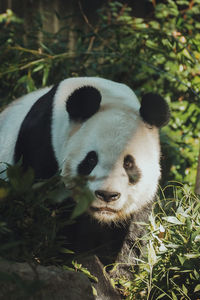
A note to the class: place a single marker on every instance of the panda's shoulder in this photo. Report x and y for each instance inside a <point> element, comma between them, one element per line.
<point>22,105</point>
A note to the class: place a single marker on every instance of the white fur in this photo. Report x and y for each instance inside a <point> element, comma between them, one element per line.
<point>10,122</point>
<point>112,93</point>
<point>113,132</point>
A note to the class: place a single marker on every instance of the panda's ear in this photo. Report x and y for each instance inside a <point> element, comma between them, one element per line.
<point>154,110</point>
<point>83,103</point>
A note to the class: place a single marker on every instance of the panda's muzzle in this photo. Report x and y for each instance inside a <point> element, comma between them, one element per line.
<point>107,196</point>
<point>103,209</point>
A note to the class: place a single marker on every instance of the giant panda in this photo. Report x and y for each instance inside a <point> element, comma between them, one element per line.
<point>96,128</point>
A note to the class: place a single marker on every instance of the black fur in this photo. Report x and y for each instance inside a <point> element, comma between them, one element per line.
<point>88,163</point>
<point>154,110</point>
<point>111,243</point>
<point>83,103</point>
<point>86,237</point>
<point>34,140</point>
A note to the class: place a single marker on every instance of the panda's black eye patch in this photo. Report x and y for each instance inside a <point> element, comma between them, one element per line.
<point>88,163</point>
<point>128,162</point>
<point>131,169</point>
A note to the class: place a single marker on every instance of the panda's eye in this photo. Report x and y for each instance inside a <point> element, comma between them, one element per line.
<point>128,162</point>
<point>88,163</point>
<point>132,171</point>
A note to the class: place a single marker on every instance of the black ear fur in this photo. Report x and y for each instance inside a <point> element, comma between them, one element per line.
<point>154,110</point>
<point>83,103</point>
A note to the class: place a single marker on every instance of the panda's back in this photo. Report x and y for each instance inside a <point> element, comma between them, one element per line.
<point>10,122</point>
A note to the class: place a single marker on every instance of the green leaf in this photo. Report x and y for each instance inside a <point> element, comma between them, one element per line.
<point>182,2</point>
<point>172,245</point>
<point>197,288</point>
<point>152,259</point>
<point>81,195</point>
<point>79,267</point>
<point>161,296</point>
<point>174,296</point>
<point>66,251</point>
<point>192,255</point>
<point>38,68</point>
<point>83,202</point>
<point>46,48</point>
<point>195,234</point>
<point>184,289</point>
<point>45,75</point>
<point>94,291</point>
<point>181,259</point>
<point>172,220</point>
<point>21,181</point>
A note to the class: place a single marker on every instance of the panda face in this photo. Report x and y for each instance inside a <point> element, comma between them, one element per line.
<point>120,155</point>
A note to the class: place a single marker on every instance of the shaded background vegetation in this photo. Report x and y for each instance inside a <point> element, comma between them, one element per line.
<point>149,45</point>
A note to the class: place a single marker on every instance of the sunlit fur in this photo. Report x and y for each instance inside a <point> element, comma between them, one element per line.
<point>127,134</point>
<point>113,132</point>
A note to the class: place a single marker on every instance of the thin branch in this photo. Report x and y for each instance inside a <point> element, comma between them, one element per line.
<point>34,52</point>
<point>197,184</point>
<point>154,3</point>
<point>186,9</point>
<point>95,30</point>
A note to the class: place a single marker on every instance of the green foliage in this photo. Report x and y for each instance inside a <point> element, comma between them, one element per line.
<point>32,216</point>
<point>79,268</point>
<point>32,220</point>
<point>171,266</point>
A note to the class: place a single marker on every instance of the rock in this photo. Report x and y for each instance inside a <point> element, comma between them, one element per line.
<point>24,281</point>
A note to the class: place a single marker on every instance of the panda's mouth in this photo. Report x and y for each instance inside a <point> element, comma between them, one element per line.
<point>107,214</point>
<point>103,209</point>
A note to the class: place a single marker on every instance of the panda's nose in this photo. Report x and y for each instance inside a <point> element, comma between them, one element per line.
<point>107,196</point>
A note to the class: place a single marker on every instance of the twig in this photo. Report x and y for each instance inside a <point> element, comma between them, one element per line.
<point>154,3</point>
<point>34,52</point>
<point>190,7</point>
<point>197,184</point>
<point>95,30</point>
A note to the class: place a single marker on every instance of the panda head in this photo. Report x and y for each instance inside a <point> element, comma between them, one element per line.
<point>114,142</point>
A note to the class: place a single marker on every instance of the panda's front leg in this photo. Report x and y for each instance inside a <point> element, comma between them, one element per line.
<point>103,286</point>
<point>133,243</point>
